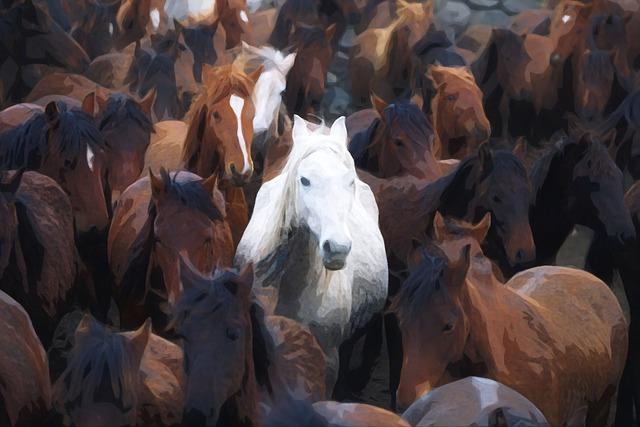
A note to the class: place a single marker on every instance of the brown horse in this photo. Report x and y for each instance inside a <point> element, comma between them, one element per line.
<point>38,258</point>
<point>521,334</point>
<point>125,124</point>
<point>156,219</point>
<point>73,86</point>
<point>399,141</point>
<point>132,19</point>
<point>232,16</point>
<point>17,114</point>
<point>306,79</point>
<point>457,112</point>
<point>118,378</point>
<point>66,145</point>
<point>25,398</point>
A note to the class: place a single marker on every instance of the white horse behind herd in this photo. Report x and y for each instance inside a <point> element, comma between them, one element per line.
<point>314,241</point>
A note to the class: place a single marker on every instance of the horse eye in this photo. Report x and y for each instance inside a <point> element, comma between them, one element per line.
<point>304,181</point>
<point>452,97</point>
<point>233,333</point>
<point>216,116</point>
<point>398,142</point>
<point>447,328</point>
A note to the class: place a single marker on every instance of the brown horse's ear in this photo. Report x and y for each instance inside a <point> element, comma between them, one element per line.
<point>208,71</point>
<point>378,104</point>
<point>439,227</point>
<point>418,100</point>
<point>51,112</point>
<point>140,338</point>
<point>11,186</point>
<point>244,283</point>
<point>146,103</point>
<point>436,74</point>
<point>480,230</point>
<point>211,186</point>
<point>158,186</point>
<point>89,104</point>
<point>486,157</point>
<point>101,99</point>
<point>330,32</point>
<point>255,75</point>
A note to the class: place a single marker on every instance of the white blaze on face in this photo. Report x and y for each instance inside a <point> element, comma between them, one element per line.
<point>237,104</point>
<point>243,16</point>
<point>110,28</point>
<point>155,18</point>
<point>90,157</point>
<point>566,18</point>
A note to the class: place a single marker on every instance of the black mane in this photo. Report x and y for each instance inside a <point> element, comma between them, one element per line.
<point>122,107</point>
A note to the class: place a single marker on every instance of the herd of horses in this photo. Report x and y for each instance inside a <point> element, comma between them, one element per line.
<point>183,241</point>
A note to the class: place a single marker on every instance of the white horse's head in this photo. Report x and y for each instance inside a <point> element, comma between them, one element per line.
<point>267,93</point>
<point>324,188</point>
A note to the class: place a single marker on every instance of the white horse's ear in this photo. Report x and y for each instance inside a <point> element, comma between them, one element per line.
<point>339,129</point>
<point>300,130</point>
<point>288,62</point>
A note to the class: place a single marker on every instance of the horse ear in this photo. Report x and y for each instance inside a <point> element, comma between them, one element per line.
<point>211,186</point>
<point>255,74</point>
<point>244,282</point>
<point>287,63</point>
<point>486,158</point>
<point>207,73</point>
<point>339,129</point>
<point>460,267</point>
<point>89,104</point>
<point>436,75</point>
<point>11,187</point>
<point>146,103</point>
<point>101,100</point>
<point>418,100</point>
<point>158,187</point>
<point>51,112</point>
<point>520,149</point>
<point>439,227</point>
<point>330,32</point>
<point>140,338</point>
<point>300,130</point>
<point>481,229</point>
<point>379,104</point>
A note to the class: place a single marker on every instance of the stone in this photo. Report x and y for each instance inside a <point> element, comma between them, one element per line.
<point>454,14</point>
<point>483,4</point>
<point>492,18</point>
<point>516,6</point>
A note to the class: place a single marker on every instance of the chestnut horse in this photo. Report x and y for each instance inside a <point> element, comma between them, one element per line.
<point>522,334</point>
<point>399,141</point>
<point>156,219</point>
<point>25,398</point>
<point>457,112</point>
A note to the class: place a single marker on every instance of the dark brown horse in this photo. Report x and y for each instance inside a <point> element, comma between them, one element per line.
<point>25,398</point>
<point>457,319</point>
<point>399,141</point>
<point>156,220</point>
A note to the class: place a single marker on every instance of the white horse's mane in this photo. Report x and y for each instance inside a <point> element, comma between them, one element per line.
<point>275,213</point>
<point>268,56</point>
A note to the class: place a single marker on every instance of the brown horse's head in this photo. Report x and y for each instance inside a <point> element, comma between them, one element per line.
<point>126,126</point>
<point>593,84</point>
<point>9,227</point>
<point>214,318</point>
<point>452,235</point>
<point>190,221</point>
<point>568,28</point>
<point>221,130</point>
<point>132,18</point>
<point>233,16</point>
<point>434,325</point>
<point>306,80</point>
<point>403,141</point>
<point>458,114</point>
<point>76,159</point>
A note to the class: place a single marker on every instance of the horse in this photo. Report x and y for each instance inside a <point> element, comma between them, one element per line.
<point>26,393</point>
<point>399,141</point>
<point>133,20</point>
<point>323,286</point>
<point>381,59</point>
<point>118,378</point>
<point>577,182</point>
<point>458,115</point>
<point>232,16</point>
<point>38,259</point>
<point>71,86</point>
<point>306,80</point>
<point>17,114</point>
<point>198,38</point>
<point>156,219</point>
<point>474,401</point>
<point>469,322</point>
<point>23,25</point>
<point>65,145</point>
<point>125,124</point>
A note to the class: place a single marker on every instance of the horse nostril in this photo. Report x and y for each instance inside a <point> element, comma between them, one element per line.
<point>326,246</point>
<point>232,168</point>
<point>520,255</point>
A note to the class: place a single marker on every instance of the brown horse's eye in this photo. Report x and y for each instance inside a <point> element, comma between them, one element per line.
<point>216,116</point>
<point>447,328</point>
<point>398,142</point>
<point>233,333</point>
<point>452,97</point>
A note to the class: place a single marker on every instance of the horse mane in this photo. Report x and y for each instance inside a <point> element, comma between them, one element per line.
<point>422,283</point>
<point>268,56</point>
<point>220,82</point>
<point>308,35</point>
<point>409,118</point>
<point>99,354</point>
<point>122,107</point>
<point>274,211</point>
<point>26,146</point>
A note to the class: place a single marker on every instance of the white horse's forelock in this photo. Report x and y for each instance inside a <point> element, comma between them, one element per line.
<point>275,212</point>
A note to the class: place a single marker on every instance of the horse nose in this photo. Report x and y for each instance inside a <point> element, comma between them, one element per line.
<point>240,178</point>
<point>335,254</point>
<point>332,247</point>
<point>481,133</point>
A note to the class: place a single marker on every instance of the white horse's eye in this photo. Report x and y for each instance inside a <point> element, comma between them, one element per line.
<point>305,181</point>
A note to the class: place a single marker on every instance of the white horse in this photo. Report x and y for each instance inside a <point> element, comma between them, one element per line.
<point>318,254</point>
<point>267,93</point>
